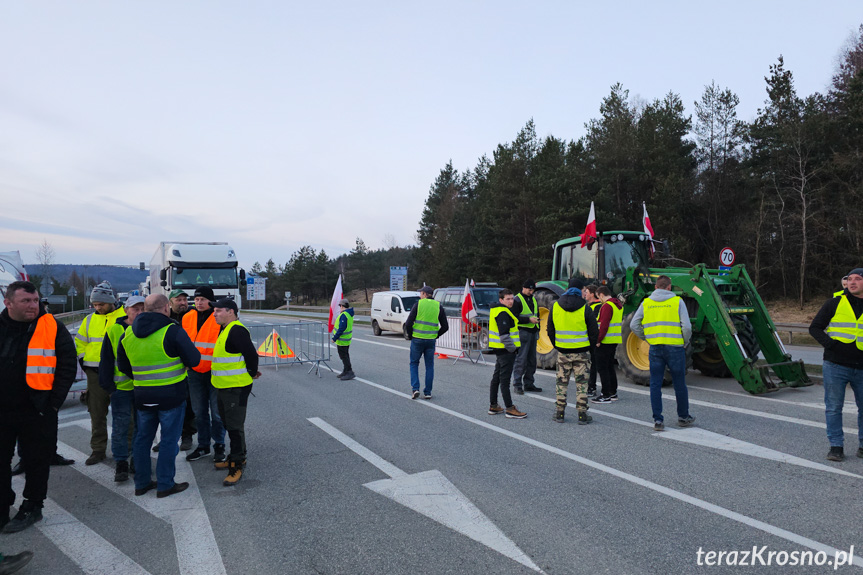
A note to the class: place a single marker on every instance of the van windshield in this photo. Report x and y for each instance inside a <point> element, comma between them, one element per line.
<point>409,302</point>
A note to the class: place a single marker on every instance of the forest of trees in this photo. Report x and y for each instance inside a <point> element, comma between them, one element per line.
<point>781,190</point>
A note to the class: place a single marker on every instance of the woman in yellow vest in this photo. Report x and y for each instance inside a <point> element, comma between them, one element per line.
<point>610,320</point>
<point>235,365</point>
<point>662,320</point>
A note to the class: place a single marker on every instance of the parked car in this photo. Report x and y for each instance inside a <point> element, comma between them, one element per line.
<point>390,310</point>
<point>484,295</point>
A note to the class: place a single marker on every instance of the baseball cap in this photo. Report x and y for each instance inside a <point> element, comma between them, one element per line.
<point>177,293</point>
<point>133,300</point>
<point>427,289</point>
<point>225,303</point>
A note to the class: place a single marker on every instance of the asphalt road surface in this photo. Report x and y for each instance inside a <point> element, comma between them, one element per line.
<point>355,477</point>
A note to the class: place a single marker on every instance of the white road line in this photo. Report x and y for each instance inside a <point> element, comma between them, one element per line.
<point>68,414</point>
<point>848,404</point>
<point>694,501</point>
<point>86,548</point>
<point>401,347</point>
<point>197,550</point>
<point>359,449</point>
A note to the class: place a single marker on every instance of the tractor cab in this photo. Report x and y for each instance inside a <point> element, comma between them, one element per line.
<point>603,261</point>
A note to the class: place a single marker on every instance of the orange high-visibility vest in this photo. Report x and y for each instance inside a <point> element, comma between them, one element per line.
<point>42,354</point>
<point>204,340</point>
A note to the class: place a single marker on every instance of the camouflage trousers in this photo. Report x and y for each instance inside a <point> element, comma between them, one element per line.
<point>577,365</point>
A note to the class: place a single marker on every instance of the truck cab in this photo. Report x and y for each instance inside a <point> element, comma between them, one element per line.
<point>188,266</point>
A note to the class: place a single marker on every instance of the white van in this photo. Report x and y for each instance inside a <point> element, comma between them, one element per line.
<point>390,310</point>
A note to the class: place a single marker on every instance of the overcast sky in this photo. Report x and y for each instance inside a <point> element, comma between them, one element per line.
<point>274,124</point>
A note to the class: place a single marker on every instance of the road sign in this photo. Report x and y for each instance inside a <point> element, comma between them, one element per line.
<point>723,270</point>
<point>256,288</point>
<point>726,257</point>
<point>72,291</point>
<point>398,278</point>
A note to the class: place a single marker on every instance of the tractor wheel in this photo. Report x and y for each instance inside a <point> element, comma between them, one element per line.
<point>747,336</point>
<point>632,355</point>
<point>546,355</point>
<point>376,329</point>
<point>710,361</point>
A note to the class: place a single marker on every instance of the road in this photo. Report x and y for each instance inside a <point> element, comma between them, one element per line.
<point>355,477</point>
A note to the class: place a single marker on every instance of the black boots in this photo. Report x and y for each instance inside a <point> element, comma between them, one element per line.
<point>29,513</point>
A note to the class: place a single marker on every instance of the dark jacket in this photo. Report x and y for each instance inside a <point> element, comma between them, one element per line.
<point>240,341</point>
<point>605,315</point>
<point>522,314</point>
<point>570,301</point>
<point>504,324</point>
<point>343,324</point>
<point>177,344</point>
<point>15,394</point>
<point>107,360</point>
<point>412,317</point>
<point>837,352</point>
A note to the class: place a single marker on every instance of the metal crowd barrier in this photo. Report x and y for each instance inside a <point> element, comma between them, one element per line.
<point>464,340</point>
<point>303,342</point>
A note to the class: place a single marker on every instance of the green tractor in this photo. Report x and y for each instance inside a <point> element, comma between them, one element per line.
<point>730,324</point>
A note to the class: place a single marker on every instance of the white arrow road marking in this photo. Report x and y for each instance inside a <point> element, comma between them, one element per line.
<point>86,548</point>
<point>197,550</point>
<point>698,436</point>
<point>433,495</point>
<point>634,479</point>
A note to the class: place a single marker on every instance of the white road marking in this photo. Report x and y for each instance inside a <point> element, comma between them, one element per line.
<point>401,347</point>
<point>848,404</point>
<point>694,501</point>
<point>197,550</point>
<point>68,414</point>
<point>86,548</point>
<point>433,495</point>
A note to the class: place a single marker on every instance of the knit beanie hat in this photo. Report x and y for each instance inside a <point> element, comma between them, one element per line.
<point>856,271</point>
<point>102,293</point>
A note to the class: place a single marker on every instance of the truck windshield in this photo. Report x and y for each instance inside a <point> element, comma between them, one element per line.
<point>225,278</point>
<point>624,254</point>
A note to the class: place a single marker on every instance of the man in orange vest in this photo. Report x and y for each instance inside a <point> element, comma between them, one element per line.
<point>37,368</point>
<point>203,330</point>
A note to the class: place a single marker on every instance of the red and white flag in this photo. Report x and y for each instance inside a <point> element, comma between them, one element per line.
<point>589,230</point>
<point>334,303</point>
<point>467,310</point>
<point>648,229</point>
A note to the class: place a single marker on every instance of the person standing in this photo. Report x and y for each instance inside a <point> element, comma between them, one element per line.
<point>837,327</point>
<point>235,365</point>
<point>155,353</point>
<point>593,302</point>
<point>526,309</point>
<point>179,306</point>
<point>844,287</point>
<point>37,368</point>
<point>610,335</point>
<point>503,341</point>
<point>203,330</point>
<point>425,323</point>
<point>121,389</point>
<point>663,321</point>
<point>572,330</point>
<point>343,331</point>
<point>88,342</point>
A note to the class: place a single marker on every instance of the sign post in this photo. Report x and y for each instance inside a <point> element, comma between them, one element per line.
<point>726,260</point>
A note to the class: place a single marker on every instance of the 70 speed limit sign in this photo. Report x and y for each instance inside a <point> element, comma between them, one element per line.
<point>726,256</point>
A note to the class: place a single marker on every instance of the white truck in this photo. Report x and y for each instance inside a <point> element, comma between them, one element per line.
<point>11,270</point>
<point>190,265</point>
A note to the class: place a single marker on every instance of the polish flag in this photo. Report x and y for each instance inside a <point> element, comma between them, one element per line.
<point>334,303</point>
<point>590,230</point>
<point>467,310</point>
<point>648,229</point>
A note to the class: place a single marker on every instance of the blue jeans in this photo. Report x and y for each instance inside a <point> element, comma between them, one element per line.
<point>835,379</point>
<point>673,357</point>
<point>122,424</point>
<point>205,404</point>
<point>422,348</point>
<point>171,421</point>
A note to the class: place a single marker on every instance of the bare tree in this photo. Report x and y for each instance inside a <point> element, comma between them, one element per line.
<point>390,242</point>
<point>47,257</point>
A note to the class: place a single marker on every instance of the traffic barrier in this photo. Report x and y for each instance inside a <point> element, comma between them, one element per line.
<point>287,344</point>
<point>468,340</point>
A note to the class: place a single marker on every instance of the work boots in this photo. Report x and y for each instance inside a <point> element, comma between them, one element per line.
<point>558,415</point>
<point>28,513</point>
<point>226,464</point>
<point>235,473</point>
<point>121,473</point>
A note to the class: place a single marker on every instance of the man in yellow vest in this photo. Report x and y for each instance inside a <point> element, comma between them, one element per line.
<point>37,368</point>
<point>155,353</point>
<point>503,340</point>
<point>235,365</point>
<point>203,330</point>
<point>88,341</point>
<point>838,326</point>
<point>662,321</point>
<point>343,333</point>
<point>844,287</point>
<point>179,306</point>
<point>610,334</point>
<point>121,389</point>
<point>594,303</point>
<point>425,323</point>
<point>572,330</point>
<point>526,310</point>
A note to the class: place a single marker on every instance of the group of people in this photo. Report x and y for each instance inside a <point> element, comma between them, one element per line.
<point>147,360</point>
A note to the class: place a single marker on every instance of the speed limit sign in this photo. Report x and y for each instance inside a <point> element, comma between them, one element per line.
<point>726,256</point>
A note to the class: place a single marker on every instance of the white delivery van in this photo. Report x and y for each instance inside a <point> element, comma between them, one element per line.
<point>390,310</point>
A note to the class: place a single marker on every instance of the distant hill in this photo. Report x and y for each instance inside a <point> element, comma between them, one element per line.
<point>121,278</point>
